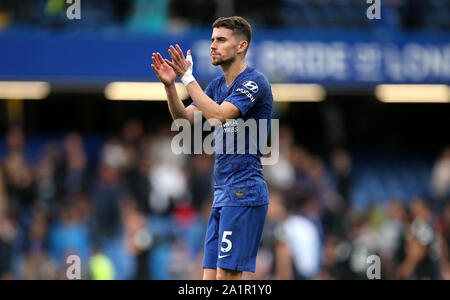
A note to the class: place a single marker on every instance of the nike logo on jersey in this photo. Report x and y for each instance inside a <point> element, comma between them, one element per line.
<point>222,256</point>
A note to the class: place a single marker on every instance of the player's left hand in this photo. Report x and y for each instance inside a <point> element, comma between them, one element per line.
<point>181,65</point>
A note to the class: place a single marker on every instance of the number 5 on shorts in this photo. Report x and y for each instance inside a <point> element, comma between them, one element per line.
<point>226,241</point>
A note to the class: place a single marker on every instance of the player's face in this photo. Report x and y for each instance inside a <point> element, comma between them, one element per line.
<point>224,46</point>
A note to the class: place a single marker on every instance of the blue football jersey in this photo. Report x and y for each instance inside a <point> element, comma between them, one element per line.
<point>239,180</point>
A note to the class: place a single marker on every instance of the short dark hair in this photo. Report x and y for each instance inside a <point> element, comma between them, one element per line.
<point>238,25</point>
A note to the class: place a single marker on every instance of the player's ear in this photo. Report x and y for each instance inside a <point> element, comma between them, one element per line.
<point>242,46</point>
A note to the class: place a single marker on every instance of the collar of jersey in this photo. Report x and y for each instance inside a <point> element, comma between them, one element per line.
<point>247,69</point>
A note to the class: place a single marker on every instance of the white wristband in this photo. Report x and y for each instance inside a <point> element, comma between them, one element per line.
<point>187,78</point>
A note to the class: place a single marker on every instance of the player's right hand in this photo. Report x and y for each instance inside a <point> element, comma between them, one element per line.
<point>164,72</point>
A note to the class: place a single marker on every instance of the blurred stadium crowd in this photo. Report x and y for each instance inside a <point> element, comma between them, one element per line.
<point>137,211</point>
<point>158,16</point>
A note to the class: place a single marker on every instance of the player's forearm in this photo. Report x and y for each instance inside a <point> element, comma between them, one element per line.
<point>210,109</point>
<point>176,106</point>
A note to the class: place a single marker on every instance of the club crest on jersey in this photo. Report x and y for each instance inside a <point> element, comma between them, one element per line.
<point>239,193</point>
<point>251,85</point>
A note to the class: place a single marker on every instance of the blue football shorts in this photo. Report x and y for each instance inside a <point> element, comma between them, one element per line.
<point>233,236</point>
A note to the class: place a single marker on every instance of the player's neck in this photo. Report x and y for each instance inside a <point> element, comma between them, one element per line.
<point>233,70</point>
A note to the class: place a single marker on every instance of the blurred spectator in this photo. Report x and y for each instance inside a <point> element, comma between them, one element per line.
<point>137,179</point>
<point>138,239</point>
<point>8,232</point>
<point>108,190</point>
<point>132,132</point>
<point>3,195</point>
<point>352,251</point>
<point>282,174</point>
<point>137,163</point>
<point>276,214</point>
<point>46,179</point>
<point>201,180</point>
<point>392,236</point>
<point>329,270</point>
<point>321,185</point>
<point>444,231</point>
<point>15,139</point>
<point>180,259</point>
<point>167,177</point>
<point>421,258</point>
<point>342,172</point>
<point>36,263</point>
<point>299,242</point>
<point>301,161</point>
<point>70,235</point>
<point>168,187</point>
<point>440,180</point>
<point>19,182</point>
<point>71,174</point>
